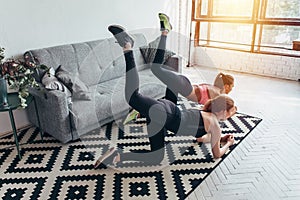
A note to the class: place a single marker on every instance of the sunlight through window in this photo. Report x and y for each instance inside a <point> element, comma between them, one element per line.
<point>261,26</point>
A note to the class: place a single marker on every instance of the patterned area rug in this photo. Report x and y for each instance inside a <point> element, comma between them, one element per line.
<point>50,170</point>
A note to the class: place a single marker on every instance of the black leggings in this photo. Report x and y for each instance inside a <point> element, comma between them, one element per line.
<point>161,115</point>
<point>176,83</point>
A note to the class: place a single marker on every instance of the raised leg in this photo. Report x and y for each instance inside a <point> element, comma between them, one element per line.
<point>176,83</point>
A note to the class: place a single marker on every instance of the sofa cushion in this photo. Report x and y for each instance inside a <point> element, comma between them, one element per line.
<point>117,66</point>
<point>78,89</point>
<point>108,99</point>
<point>149,51</point>
<point>94,58</point>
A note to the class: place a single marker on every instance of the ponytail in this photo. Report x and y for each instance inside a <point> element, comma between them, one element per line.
<point>219,103</point>
<point>223,79</point>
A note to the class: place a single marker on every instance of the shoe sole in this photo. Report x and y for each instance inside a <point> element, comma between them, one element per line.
<point>117,26</point>
<point>102,158</point>
<point>122,29</point>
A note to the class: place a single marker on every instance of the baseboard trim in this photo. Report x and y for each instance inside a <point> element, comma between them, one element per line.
<point>4,134</point>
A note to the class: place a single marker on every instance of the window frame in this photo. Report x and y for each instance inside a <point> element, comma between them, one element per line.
<point>258,19</point>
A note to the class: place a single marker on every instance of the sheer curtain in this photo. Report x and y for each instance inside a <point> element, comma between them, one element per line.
<point>179,39</point>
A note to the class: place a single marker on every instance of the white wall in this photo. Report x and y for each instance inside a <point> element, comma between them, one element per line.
<point>41,23</point>
<point>35,23</point>
<point>267,65</point>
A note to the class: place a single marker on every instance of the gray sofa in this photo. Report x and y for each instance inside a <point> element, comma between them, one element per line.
<point>100,65</point>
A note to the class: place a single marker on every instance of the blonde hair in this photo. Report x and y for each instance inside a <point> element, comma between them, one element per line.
<point>219,103</point>
<point>223,79</point>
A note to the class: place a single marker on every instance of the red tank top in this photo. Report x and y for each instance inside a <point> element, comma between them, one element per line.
<point>202,93</point>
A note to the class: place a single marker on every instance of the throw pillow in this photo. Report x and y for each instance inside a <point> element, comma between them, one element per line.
<point>50,82</point>
<point>149,51</point>
<point>78,89</point>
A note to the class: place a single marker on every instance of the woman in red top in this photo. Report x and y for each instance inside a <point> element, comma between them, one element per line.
<point>201,93</point>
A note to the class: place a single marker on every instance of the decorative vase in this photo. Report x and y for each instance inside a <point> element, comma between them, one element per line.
<point>3,92</point>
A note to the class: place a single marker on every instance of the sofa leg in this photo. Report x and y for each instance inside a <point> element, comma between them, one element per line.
<point>71,129</point>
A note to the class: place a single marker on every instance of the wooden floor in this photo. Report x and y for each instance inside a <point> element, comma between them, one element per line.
<point>266,165</point>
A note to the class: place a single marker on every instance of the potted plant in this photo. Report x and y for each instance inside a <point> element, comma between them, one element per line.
<point>19,75</point>
<point>3,88</point>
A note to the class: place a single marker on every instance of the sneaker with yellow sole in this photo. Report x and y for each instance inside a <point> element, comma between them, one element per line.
<point>132,116</point>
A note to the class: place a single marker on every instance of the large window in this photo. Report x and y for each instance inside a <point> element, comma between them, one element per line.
<point>262,26</point>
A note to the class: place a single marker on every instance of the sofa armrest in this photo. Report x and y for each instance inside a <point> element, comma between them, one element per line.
<point>174,63</point>
<point>53,112</point>
<point>49,95</point>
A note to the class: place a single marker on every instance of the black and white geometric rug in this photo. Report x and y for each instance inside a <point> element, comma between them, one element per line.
<point>51,170</point>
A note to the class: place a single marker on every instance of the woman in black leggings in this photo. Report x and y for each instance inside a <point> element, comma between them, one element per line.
<point>162,114</point>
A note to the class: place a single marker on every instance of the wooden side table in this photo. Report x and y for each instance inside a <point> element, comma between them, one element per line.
<point>13,104</point>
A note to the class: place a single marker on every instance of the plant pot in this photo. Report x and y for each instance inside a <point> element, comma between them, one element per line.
<point>3,93</point>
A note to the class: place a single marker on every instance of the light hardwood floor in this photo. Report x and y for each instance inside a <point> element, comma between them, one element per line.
<point>266,165</point>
